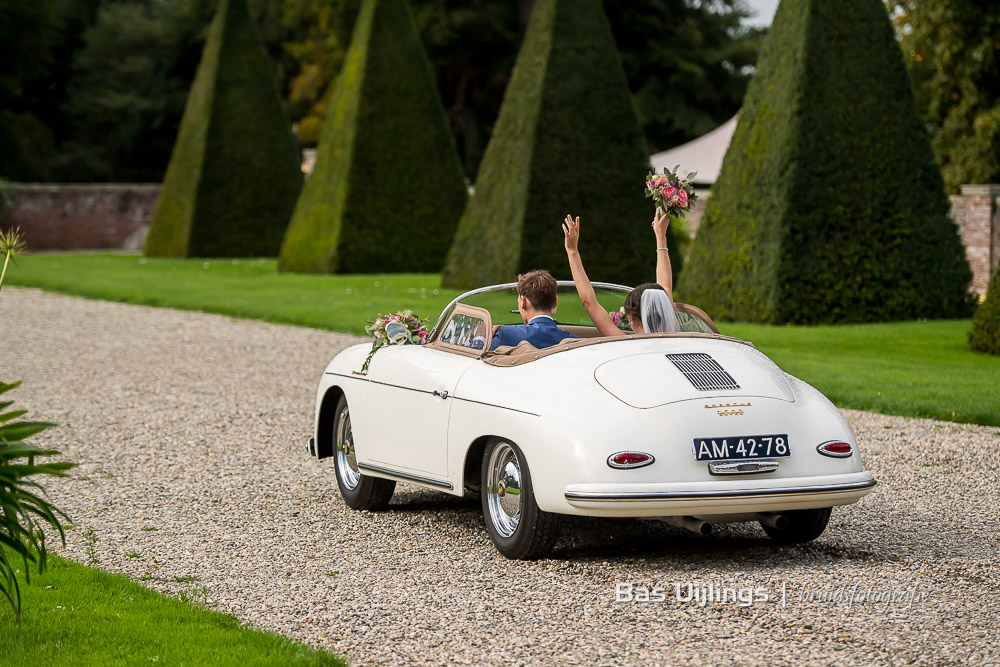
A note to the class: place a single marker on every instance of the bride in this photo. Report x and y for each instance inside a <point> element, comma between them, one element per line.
<point>649,307</point>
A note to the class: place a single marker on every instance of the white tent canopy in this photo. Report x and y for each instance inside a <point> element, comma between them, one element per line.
<point>703,155</point>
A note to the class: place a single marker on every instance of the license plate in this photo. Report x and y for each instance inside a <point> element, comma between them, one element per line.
<point>741,447</point>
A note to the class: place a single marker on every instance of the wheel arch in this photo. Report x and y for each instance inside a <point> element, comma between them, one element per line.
<point>324,421</point>
<point>472,468</point>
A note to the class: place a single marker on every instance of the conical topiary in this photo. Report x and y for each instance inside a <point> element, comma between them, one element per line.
<point>829,206</point>
<point>234,173</point>
<point>567,140</point>
<point>387,189</point>
<point>985,334</point>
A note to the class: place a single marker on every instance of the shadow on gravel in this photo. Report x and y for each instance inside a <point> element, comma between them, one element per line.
<point>585,539</point>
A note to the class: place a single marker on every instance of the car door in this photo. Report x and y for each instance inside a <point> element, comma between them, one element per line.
<point>411,388</point>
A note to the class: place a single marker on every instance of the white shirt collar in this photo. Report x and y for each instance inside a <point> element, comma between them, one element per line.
<point>539,316</point>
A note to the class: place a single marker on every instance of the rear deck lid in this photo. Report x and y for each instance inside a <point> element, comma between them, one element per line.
<point>652,379</point>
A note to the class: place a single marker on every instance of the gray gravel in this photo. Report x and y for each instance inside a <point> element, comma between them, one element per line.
<point>189,429</point>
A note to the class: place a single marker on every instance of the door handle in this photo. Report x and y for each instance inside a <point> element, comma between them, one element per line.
<point>442,394</point>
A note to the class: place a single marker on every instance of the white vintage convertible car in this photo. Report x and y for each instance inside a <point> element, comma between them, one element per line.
<point>693,428</point>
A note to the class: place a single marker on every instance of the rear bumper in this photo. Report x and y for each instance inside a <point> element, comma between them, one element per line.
<point>676,499</point>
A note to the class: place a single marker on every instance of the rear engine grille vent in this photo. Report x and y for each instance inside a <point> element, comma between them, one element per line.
<point>703,371</point>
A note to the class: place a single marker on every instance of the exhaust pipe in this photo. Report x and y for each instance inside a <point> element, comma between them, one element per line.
<point>690,523</point>
<point>778,521</point>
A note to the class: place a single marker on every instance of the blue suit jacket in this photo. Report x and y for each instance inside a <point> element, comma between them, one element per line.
<point>541,332</point>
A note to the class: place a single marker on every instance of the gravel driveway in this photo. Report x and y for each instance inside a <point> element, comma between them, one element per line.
<point>189,429</point>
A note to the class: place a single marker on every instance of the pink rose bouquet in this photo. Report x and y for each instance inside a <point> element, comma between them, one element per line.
<point>671,194</point>
<point>400,328</point>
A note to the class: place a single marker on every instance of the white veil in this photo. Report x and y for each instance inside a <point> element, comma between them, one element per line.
<point>657,312</point>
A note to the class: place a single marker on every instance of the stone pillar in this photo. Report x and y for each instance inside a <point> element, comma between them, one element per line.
<point>979,226</point>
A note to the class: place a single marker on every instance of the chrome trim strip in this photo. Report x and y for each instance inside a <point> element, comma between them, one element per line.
<point>678,495</point>
<point>742,467</point>
<point>407,476</point>
<point>494,405</point>
<point>424,391</point>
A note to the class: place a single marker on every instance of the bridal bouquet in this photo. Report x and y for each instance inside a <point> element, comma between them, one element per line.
<point>672,194</point>
<point>620,319</point>
<point>400,328</point>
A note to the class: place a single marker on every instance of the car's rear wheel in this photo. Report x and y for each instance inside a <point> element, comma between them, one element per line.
<point>803,526</point>
<point>361,492</point>
<point>517,527</point>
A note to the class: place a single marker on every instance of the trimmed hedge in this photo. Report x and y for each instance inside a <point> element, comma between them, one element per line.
<point>985,334</point>
<point>234,173</point>
<point>387,189</point>
<point>567,140</point>
<point>829,207</point>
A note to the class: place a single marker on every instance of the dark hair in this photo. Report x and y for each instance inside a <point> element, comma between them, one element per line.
<point>634,298</point>
<point>539,288</point>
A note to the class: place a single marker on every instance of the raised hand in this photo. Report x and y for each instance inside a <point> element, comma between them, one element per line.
<point>571,228</point>
<point>660,224</point>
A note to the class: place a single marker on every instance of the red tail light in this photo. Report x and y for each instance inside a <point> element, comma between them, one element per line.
<point>836,448</point>
<point>630,460</point>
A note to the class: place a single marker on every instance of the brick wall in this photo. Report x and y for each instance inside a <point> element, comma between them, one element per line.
<point>96,217</point>
<point>81,217</point>
<point>977,213</point>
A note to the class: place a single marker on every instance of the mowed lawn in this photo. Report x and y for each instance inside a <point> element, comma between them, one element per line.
<point>77,615</point>
<point>922,369</point>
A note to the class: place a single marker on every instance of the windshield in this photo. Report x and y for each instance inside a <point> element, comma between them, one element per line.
<point>502,304</point>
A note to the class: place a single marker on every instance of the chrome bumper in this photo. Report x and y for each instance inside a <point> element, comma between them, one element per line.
<point>669,500</point>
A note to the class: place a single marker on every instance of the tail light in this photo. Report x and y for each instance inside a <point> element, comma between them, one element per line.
<point>630,460</point>
<point>838,449</point>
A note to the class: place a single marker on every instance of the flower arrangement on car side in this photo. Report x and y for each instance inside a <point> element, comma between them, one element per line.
<point>672,194</point>
<point>399,328</point>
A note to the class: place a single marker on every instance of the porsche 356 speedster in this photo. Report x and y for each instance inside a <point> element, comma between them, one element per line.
<point>694,428</point>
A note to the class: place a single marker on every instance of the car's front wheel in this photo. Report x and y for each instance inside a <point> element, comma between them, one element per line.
<point>517,527</point>
<point>361,492</point>
<point>803,526</point>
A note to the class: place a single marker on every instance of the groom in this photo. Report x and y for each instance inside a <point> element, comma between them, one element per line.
<point>536,301</point>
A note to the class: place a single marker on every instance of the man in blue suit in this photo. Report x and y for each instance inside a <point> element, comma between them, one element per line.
<point>536,301</point>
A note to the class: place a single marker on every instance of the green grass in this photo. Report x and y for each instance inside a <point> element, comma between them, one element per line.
<point>76,615</point>
<point>239,287</point>
<point>920,369</point>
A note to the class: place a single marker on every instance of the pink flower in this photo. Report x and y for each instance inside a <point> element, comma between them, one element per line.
<point>669,192</point>
<point>682,198</point>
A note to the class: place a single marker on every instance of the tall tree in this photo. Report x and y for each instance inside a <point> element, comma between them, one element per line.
<point>38,41</point>
<point>953,54</point>
<point>234,171</point>
<point>687,62</point>
<point>387,189</point>
<point>567,135</point>
<point>829,206</point>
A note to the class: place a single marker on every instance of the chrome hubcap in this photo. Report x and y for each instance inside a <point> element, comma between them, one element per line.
<point>504,490</point>
<point>347,461</point>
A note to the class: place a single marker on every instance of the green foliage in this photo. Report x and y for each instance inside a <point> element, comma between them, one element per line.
<point>22,500</point>
<point>985,334</point>
<point>387,189</point>
<point>11,243</point>
<point>829,207</point>
<point>126,110</point>
<point>953,54</point>
<point>234,173</point>
<point>687,63</point>
<point>567,141</point>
